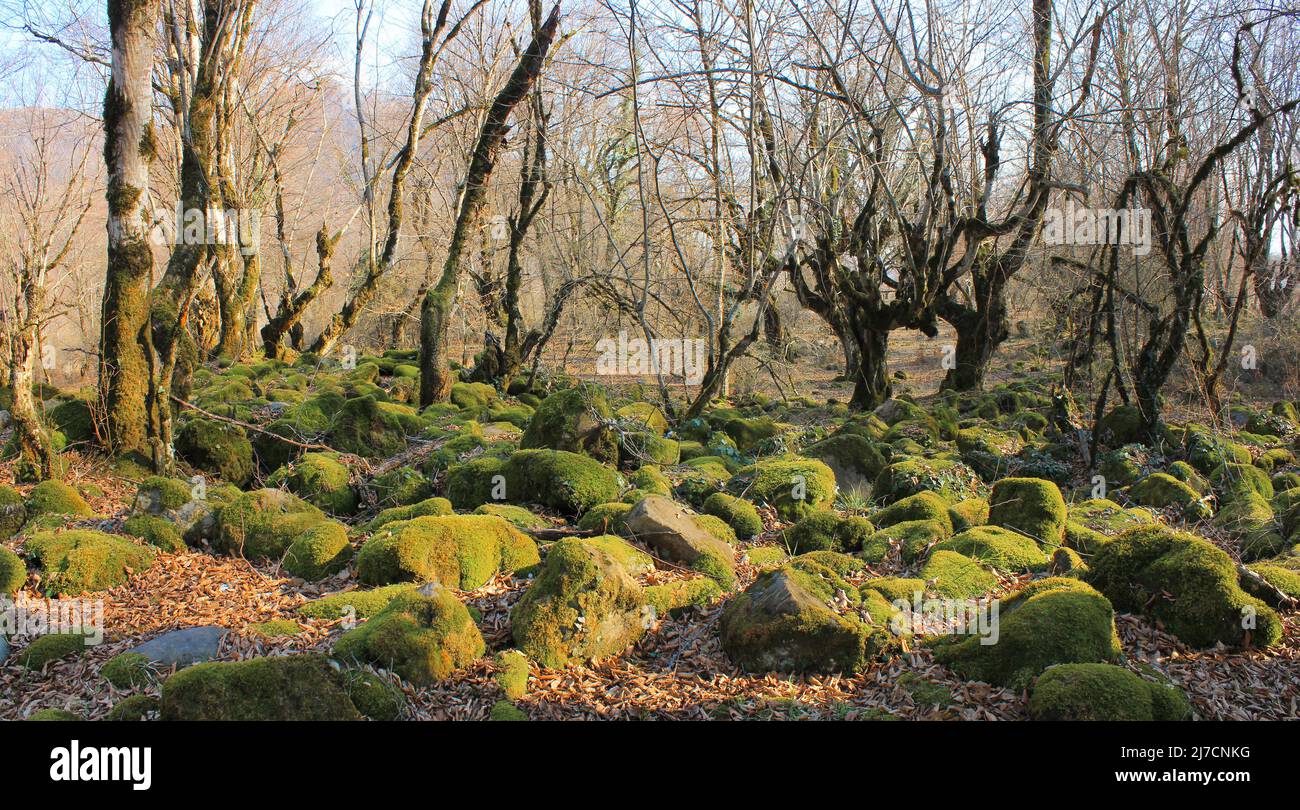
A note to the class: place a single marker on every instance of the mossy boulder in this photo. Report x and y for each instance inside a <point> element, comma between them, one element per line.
<point>129,670</point>
<point>52,715</point>
<point>375,697</point>
<point>578,420</point>
<point>512,673</point>
<point>912,474</point>
<point>1249,519</point>
<point>73,419</point>
<point>999,548</point>
<point>359,604</point>
<point>260,525</point>
<point>1051,621</point>
<point>924,505</point>
<point>519,517</point>
<point>1186,584</point>
<point>1122,425</point>
<point>676,597</point>
<point>56,498</point>
<point>855,459</point>
<point>805,618</point>
<point>13,572</point>
<point>605,517</point>
<point>564,481</point>
<point>458,551</point>
<point>1029,505</point>
<point>793,486</point>
<point>13,511</point>
<point>1207,452</point>
<point>1232,481</point>
<point>956,576</point>
<point>472,483</point>
<point>401,486</point>
<point>643,415</point>
<point>133,708</point>
<point>644,447</point>
<point>969,513</point>
<point>425,508</point>
<point>321,551</point>
<point>474,397</point>
<point>1162,490</point>
<point>738,513</point>
<point>912,539</point>
<point>674,533</point>
<point>423,636</point>
<point>296,687</point>
<point>1106,517</point>
<point>158,532</point>
<point>1104,692</point>
<point>82,560</point>
<point>369,428</point>
<point>217,448</point>
<point>51,647</point>
<point>824,530</point>
<point>584,604</point>
<point>321,480</point>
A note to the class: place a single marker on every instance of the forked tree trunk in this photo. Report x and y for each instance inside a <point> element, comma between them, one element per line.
<point>128,148</point>
<point>981,329</point>
<point>435,315</point>
<point>871,385</point>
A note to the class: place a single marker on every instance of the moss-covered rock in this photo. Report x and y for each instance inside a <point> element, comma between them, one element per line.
<point>738,513</point>
<point>1185,583</point>
<point>158,532</point>
<point>503,711</point>
<point>1122,425</point>
<point>956,576</point>
<point>321,480</point>
<point>519,517</point>
<point>1051,621</point>
<point>677,535</point>
<point>924,505</point>
<point>422,635</point>
<point>909,475</point>
<point>997,547</point>
<point>51,647</point>
<point>473,397</point>
<point>567,482</point>
<point>128,671</point>
<point>401,486</point>
<point>824,530</point>
<point>13,511</point>
<point>584,604</point>
<point>82,560</point>
<point>512,673</point>
<point>56,498</point>
<point>855,459</point>
<point>969,513</point>
<point>376,698</point>
<point>644,447</point>
<point>134,708</point>
<point>73,419</point>
<point>912,539</point>
<point>577,420</point>
<point>1162,490</point>
<point>296,687</point>
<point>260,525</point>
<point>425,508</point>
<point>793,486</point>
<point>1104,692</point>
<point>1106,517</point>
<point>605,517</point>
<point>321,551</point>
<point>1029,505</point>
<point>354,604</point>
<point>369,428</point>
<point>13,572</point>
<point>1249,519</point>
<point>804,617</point>
<point>643,415</point>
<point>672,598</point>
<point>217,448</point>
<point>458,551</point>
<point>54,715</point>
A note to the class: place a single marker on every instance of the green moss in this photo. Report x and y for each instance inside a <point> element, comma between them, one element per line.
<point>473,397</point>
<point>793,486</point>
<point>764,556</point>
<point>1286,580</point>
<point>82,560</point>
<point>426,508</point>
<point>718,567</point>
<point>217,448</point>
<point>134,708</point>
<point>512,673</point>
<point>1249,519</point>
<point>969,513</point>
<point>583,604</point>
<point>909,475</point>
<point>605,517</point>
<point>825,530</point>
<point>738,513</point>
<point>1104,692</point>
<point>651,479</point>
<point>376,698</point>
<point>925,693</point>
<point>503,711</point>
<point>51,647</point>
<point>957,576</point>
<point>358,604</point>
<point>128,671</point>
<point>54,715</point>
<point>644,415</point>
<point>671,598</point>
<point>896,589</point>
<point>423,638</point>
<point>517,516</point>
<point>1185,583</point>
<point>912,539</point>
<point>459,551</point>
<point>1207,452</point>
<point>275,628</point>
<point>1161,490</point>
<point>56,498</point>
<point>921,506</point>
<point>1030,505</point>
<point>1107,517</point>
<point>567,482</point>
<point>156,531</point>
<point>296,687</point>
<point>1188,475</point>
<point>261,525</point>
<point>13,572</point>
<point>1122,425</point>
<point>319,552</point>
<point>999,548</point>
<point>575,420</point>
<point>321,480</point>
<point>370,428</point>
<point>73,420</point>
<point>13,512</point>
<point>1053,621</point>
<point>716,527</point>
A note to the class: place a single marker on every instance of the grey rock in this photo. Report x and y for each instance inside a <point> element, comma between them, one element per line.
<point>4,650</point>
<point>181,648</point>
<point>670,529</point>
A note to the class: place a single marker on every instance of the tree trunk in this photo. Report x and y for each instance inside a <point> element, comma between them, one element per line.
<point>871,385</point>
<point>288,315</point>
<point>435,374</point>
<point>236,296</point>
<point>128,149</point>
<point>35,454</point>
<point>980,331</point>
